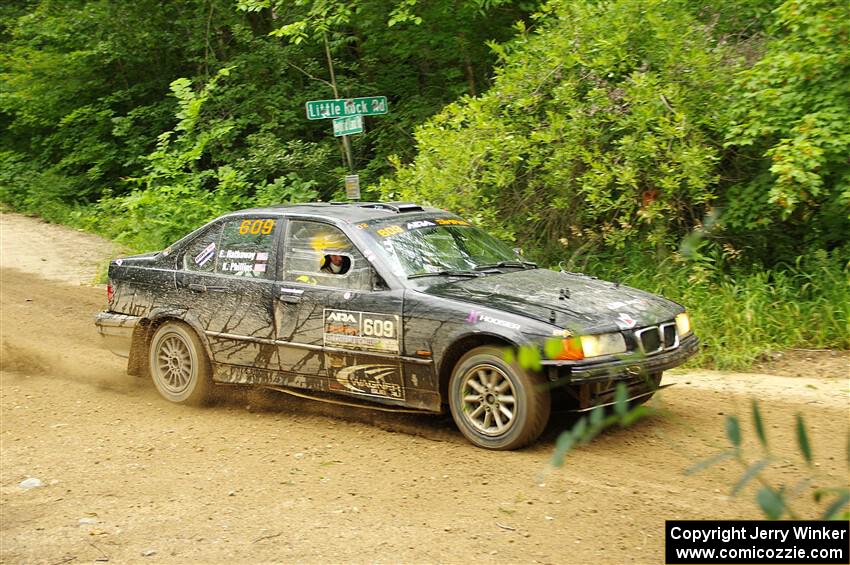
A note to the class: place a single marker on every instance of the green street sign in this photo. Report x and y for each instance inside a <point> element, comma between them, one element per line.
<point>348,125</point>
<point>339,108</point>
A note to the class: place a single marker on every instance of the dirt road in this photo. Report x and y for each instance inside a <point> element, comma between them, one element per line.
<point>128,477</point>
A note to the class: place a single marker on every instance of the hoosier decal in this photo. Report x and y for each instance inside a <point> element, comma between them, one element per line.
<point>361,330</point>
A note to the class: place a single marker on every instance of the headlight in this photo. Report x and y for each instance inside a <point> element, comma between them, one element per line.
<point>683,324</point>
<point>577,348</point>
<point>603,344</point>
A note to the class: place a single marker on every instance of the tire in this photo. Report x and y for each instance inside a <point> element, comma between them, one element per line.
<point>482,389</point>
<point>179,366</point>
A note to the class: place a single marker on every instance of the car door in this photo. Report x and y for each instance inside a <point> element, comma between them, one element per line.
<point>227,282</point>
<point>337,327</point>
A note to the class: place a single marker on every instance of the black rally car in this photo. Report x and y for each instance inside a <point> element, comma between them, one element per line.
<point>385,304</point>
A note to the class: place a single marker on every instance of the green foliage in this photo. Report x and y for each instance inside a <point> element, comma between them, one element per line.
<point>174,194</point>
<point>628,125</point>
<point>775,501</point>
<point>88,88</point>
<point>794,112</point>
<point>603,119</point>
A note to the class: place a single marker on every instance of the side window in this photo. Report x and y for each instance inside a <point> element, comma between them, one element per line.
<point>245,247</point>
<point>201,254</point>
<point>320,254</point>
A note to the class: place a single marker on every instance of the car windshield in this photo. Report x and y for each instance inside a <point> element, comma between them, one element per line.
<point>427,248</point>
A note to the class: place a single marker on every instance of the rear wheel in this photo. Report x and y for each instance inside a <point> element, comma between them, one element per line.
<point>179,365</point>
<point>497,405</point>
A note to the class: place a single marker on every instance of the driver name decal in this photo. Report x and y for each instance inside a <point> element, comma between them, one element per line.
<point>361,330</point>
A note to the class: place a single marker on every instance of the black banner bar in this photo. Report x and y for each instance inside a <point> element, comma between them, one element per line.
<point>756,541</point>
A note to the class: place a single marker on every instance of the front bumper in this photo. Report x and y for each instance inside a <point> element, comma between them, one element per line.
<point>117,331</point>
<point>625,366</point>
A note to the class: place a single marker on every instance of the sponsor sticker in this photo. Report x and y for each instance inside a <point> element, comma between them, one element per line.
<point>450,222</point>
<point>637,303</point>
<point>204,256</point>
<point>475,316</point>
<point>370,380</point>
<point>625,322</point>
<point>369,331</point>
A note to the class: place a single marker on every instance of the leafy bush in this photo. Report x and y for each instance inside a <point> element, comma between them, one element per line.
<point>604,120</point>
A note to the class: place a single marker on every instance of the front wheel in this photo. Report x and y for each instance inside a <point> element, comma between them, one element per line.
<point>497,405</point>
<point>179,365</point>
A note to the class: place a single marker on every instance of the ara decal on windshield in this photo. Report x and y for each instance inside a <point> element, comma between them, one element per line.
<point>419,224</point>
<point>361,330</point>
<point>369,380</point>
<point>475,316</point>
<point>450,222</point>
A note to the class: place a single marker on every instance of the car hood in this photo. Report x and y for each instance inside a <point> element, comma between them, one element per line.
<point>577,302</point>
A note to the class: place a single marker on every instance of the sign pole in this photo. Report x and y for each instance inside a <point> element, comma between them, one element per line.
<point>345,143</point>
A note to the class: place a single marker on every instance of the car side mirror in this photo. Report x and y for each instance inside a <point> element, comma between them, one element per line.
<point>519,251</point>
<point>378,282</point>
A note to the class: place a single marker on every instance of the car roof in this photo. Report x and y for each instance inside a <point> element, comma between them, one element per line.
<point>351,212</point>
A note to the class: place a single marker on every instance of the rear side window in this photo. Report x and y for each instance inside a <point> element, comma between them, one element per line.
<point>201,254</point>
<point>246,247</point>
<point>242,247</point>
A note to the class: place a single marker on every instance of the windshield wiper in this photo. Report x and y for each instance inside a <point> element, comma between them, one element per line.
<point>445,273</point>
<point>519,264</point>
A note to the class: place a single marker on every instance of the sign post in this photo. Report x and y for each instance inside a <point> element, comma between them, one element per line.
<point>347,115</point>
<point>352,187</point>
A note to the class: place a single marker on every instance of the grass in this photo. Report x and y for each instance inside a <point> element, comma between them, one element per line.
<point>742,315</point>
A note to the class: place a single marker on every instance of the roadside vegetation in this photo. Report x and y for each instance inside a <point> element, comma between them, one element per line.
<point>693,149</point>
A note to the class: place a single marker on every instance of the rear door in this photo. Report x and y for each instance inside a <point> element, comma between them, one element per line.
<point>227,281</point>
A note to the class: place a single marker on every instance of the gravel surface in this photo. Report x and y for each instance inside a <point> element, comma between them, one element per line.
<point>127,477</point>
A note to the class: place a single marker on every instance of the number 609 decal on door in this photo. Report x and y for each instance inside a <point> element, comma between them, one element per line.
<point>361,330</point>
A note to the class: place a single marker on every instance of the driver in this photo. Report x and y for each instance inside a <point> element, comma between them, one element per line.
<point>335,264</point>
